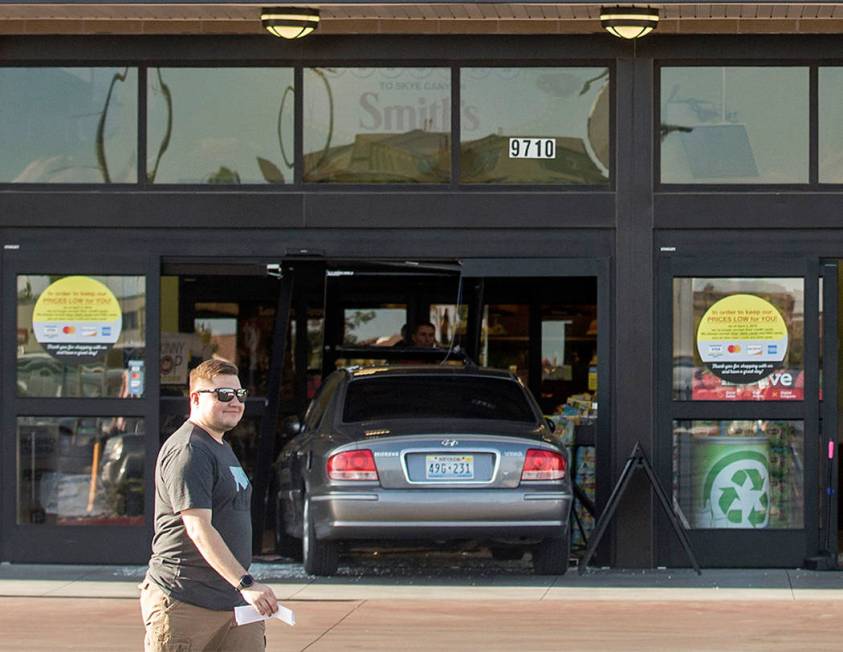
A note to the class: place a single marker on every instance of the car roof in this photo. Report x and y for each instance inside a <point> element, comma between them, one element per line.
<point>398,371</point>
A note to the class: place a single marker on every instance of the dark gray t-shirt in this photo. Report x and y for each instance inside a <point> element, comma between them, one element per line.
<point>194,471</point>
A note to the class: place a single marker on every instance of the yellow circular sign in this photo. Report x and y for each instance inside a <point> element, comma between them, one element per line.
<point>77,317</point>
<point>742,338</point>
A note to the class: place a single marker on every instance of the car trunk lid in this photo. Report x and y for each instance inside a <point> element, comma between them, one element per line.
<point>432,455</point>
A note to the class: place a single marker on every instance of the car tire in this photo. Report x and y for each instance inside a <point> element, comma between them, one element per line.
<point>286,545</point>
<point>506,553</point>
<point>320,557</point>
<point>551,556</point>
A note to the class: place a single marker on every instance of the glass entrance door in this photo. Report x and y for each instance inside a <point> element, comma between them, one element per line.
<point>739,408</point>
<point>78,408</point>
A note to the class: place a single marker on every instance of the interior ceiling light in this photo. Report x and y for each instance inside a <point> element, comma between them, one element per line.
<point>290,22</point>
<point>629,22</point>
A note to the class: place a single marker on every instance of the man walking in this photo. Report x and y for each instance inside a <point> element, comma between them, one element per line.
<point>202,545</point>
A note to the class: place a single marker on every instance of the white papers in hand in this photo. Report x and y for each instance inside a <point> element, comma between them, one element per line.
<point>248,614</point>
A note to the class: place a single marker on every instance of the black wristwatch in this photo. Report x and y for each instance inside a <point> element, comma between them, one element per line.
<point>245,582</point>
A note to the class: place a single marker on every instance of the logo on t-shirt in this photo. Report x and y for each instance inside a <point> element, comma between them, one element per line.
<point>240,478</point>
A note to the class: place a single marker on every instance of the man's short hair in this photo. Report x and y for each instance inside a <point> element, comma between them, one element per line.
<point>423,323</point>
<point>209,370</point>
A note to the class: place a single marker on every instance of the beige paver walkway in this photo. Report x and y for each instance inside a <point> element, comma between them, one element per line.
<point>49,624</point>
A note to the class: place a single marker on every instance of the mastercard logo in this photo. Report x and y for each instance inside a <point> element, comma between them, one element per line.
<point>68,330</point>
<point>734,348</point>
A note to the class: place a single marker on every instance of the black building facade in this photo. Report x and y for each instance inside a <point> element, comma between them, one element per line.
<point>668,276</point>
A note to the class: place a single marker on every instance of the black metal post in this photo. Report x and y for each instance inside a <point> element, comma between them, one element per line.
<point>269,422</point>
<point>475,291</point>
<point>301,353</point>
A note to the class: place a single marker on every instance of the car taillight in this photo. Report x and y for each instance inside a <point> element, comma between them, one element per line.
<point>352,465</point>
<point>543,465</point>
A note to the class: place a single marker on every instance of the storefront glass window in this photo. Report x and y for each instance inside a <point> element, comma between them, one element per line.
<point>505,339</point>
<point>220,125</point>
<point>449,322</point>
<point>378,326</point>
<point>68,125</point>
<point>377,125</point>
<point>738,339</point>
<point>80,470</point>
<point>830,123</point>
<point>535,125</point>
<point>734,124</point>
<point>739,474</point>
<point>81,336</point>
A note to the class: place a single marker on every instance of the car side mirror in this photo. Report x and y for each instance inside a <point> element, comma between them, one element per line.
<point>550,424</point>
<point>291,426</point>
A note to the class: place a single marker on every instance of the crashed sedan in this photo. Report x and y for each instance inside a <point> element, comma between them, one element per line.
<point>426,453</point>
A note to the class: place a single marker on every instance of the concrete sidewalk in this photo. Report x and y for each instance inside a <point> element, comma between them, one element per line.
<point>389,581</point>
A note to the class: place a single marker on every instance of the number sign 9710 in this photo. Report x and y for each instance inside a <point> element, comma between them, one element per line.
<point>532,148</point>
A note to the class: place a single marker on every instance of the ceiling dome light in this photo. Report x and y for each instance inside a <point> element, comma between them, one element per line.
<point>290,22</point>
<point>629,22</point>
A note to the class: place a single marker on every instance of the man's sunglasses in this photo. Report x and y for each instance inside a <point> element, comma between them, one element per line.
<point>226,394</point>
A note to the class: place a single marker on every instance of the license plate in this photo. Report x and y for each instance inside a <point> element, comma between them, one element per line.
<point>449,467</point>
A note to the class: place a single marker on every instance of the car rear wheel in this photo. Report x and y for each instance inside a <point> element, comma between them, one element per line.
<point>320,557</point>
<point>285,544</point>
<point>550,556</point>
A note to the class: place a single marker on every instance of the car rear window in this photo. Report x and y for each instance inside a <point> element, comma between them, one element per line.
<point>435,397</point>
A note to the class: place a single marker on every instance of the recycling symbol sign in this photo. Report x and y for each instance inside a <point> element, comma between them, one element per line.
<point>737,491</point>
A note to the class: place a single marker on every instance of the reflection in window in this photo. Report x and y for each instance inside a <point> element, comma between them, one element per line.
<point>68,125</point>
<point>569,105</point>
<point>80,470</point>
<point>738,339</point>
<point>739,474</point>
<point>734,125</point>
<point>220,125</point>
<point>380,326</point>
<point>449,321</point>
<point>377,125</point>
<point>831,134</point>
<point>73,339</point>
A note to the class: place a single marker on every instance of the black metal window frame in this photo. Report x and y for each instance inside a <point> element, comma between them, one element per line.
<point>812,185</point>
<point>298,184</point>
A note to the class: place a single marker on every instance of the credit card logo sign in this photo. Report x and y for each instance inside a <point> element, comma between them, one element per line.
<point>772,349</point>
<point>715,350</point>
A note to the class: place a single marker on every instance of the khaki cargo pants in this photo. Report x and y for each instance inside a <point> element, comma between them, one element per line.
<point>173,626</point>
